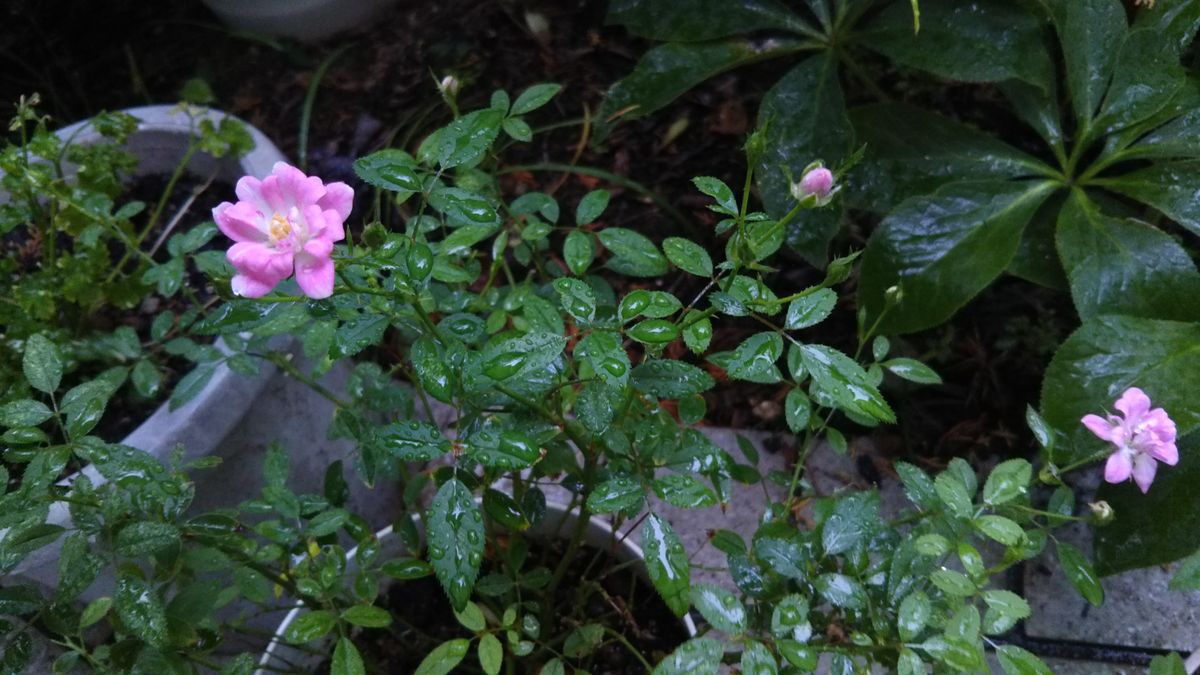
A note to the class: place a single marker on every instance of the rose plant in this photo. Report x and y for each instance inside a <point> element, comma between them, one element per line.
<point>564,365</point>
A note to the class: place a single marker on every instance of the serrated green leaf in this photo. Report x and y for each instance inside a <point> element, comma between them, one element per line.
<point>688,256</point>
<point>1080,573</point>
<point>42,364</point>
<point>633,253</point>
<point>444,658</point>
<point>719,607</point>
<point>698,655</point>
<point>811,309</point>
<point>346,659</point>
<point>455,541</point>
<point>667,563</point>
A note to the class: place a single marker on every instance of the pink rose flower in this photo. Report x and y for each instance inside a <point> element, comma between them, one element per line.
<point>286,222</point>
<point>1142,438</point>
<point>818,181</point>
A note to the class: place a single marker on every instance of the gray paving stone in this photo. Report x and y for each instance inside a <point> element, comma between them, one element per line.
<point>1138,610</point>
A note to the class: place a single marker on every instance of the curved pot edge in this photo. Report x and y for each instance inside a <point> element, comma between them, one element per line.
<point>600,533</point>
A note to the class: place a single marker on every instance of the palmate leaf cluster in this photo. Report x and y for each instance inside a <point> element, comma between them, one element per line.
<point>1085,183</point>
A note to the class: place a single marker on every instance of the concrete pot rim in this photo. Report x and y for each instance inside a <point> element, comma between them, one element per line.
<point>204,421</point>
<point>306,20</point>
<point>600,534</point>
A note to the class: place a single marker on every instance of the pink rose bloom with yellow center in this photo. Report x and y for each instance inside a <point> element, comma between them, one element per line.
<point>284,223</point>
<point>1141,437</point>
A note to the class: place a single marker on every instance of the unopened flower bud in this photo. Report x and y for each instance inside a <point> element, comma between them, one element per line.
<point>375,235</point>
<point>1048,475</point>
<point>449,86</point>
<point>1102,513</point>
<point>893,296</point>
<point>818,181</point>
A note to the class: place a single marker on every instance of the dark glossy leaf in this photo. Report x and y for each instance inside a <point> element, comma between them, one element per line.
<point>942,249</point>
<point>810,310</point>
<point>506,449</point>
<point>1088,29</point>
<point>688,256</point>
<point>1146,77</point>
<point>840,378</point>
<point>463,207</point>
<point>698,655</point>
<point>606,355</point>
<point>619,493</point>
<point>1008,481</point>
<point>1159,526</point>
<point>578,251</point>
<point>141,610</point>
<point>684,492</point>
<point>804,117</point>
<point>913,152</point>
<point>455,541</point>
<point>1017,661</point>
<point>633,253</point>
<point>534,97</point>
<point>464,142</point>
<point>670,379</point>
<point>346,659</point>
<point>1125,267</point>
<point>1080,573</point>
<point>757,659</point>
<point>701,20</point>
<point>389,169</point>
<point>854,518</point>
<point>1108,355</point>
<point>982,41</point>
<point>667,563</point>
<point>665,72</point>
<point>720,608</point>
<point>138,539</point>
<point>1168,187</point>
<point>444,657</point>
<point>841,591</point>
<point>412,441</point>
<point>591,206</point>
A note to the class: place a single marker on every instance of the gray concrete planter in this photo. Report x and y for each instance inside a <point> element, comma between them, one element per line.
<point>308,20</point>
<point>557,522</point>
<point>201,424</point>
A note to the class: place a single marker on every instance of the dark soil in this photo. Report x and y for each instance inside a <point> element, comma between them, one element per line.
<point>423,619</point>
<point>380,92</point>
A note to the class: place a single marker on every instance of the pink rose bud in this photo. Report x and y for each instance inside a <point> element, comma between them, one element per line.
<point>284,223</point>
<point>818,181</point>
<point>1141,438</point>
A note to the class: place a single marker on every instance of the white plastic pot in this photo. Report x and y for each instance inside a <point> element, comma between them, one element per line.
<point>558,522</point>
<point>307,20</point>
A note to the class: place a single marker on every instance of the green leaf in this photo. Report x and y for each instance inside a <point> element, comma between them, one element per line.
<point>1146,77</point>
<point>534,97</point>
<point>619,493</point>
<point>507,449</point>
<point>684,492</point>
<point>463,207</point>
<point>579,250</point>
<point>24,413</point>
<point>797,410</point>
<point>42,364</point>
<point>1088,30</point>
<point>718,190</point>
<point>840,378</point>
<point>95,611</point>
<point>1168,664</point>
<point>444,657</point>
<point>952,583</point>
<point>698,655</point>
<point>688,256</point>
<point>1006,482</point>
<point>667,563</point>
<point>912,370</point>
<point>1125,267</point>
<point>1159,526</point>
<point>913,614</point>
<point>389,169</point>
<point>367,616</point>
<point>985,41</point>
<point>491,652</point>
<point>146,378</point>
<point>811,309</point>
<point>854,518</point>
<point>952,493</point>
<point>138,539</point>
<point>1017,661</point>
<point>757,659</point>
<point>668,379</point>
<point>804,118</point>
<point>406,568</point>
<point>666,71</point>
<point>1109,354</point>
<point>412,441</point>
<point>909,663</point>
<point>591,206</point>
<point>77,568</point>
<point>192,384</point>
<point>471,617</point>
<point>464,142</point>
<point>1006,605</point>
<point>1080,573</point>
<point>633,254</point>
<point>720,608</point>
<point>607,356</point>
<point>697,333</point>
<point>310,626</point>
<point>1170,187</point>
<point>943,249</point>
<point>654,331</point>
<point>912,152</point>
<point>789,619</point>
<point>754,359</point>
<point>141,610</point>
<point>701,20</point>
<point>841,591</point>
<point>1187,575</point>
<point>1000,529</point>
<point>455,541</point>
<point>583,640</point>
<point>577,298</point>
<point>346,659</point>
